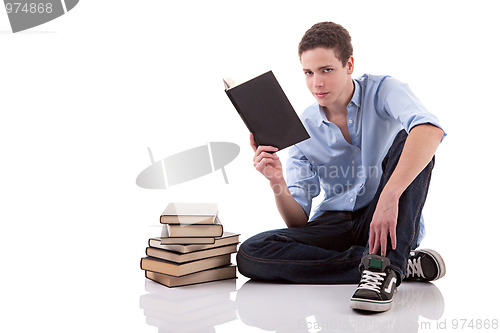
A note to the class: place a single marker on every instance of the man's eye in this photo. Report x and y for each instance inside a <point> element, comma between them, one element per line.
<point>328,70</point>
<point>308,73</point>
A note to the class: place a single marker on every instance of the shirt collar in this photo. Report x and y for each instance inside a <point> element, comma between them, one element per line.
<point>356,100</point>
<point>356,97</point>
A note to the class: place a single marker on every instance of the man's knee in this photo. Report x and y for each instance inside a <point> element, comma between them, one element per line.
<point>252,253</point>
<point>245,257</point>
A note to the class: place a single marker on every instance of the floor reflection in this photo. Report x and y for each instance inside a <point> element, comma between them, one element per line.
<point>196,308</point>
<point>325,308</point>
<point>284,307</point>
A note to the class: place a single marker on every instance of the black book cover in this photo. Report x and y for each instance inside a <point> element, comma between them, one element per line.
<point>267,112</point>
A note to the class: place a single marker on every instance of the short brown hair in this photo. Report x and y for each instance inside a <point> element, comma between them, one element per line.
<point>328,35</point>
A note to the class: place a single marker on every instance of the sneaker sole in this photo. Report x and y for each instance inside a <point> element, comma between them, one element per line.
<point>375,306</point>
<point>439,263</point>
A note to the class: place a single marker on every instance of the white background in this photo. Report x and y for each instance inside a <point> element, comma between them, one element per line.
<point>83,96</point>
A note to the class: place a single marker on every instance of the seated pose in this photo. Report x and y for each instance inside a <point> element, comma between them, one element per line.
<point>371,150</point>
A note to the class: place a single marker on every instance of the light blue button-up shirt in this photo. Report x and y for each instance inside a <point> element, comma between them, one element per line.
<point>349,174</point>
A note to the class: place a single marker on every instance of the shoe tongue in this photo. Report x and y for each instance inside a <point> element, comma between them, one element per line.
<point>375,263</point>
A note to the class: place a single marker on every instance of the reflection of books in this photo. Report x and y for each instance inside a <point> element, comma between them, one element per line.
<point>193,230</point>
<point>185,257</point>
<point>193,308</point>
<point>220,273</point>
<point>176,269</point>
<point>190,292</point>
<point>267,112</point>
<point>190,246</point>
<point>210,316</point>
<point>198,325</point>
<point>173,301</point>
<point>173,307</point>
<point>189,213</point>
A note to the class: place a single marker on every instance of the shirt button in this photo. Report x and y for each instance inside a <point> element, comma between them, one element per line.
<point>350,121</point>
<point>356,150</point>
<point>351,200</point>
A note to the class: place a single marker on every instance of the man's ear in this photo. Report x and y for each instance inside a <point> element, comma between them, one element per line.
<point>350,65</point>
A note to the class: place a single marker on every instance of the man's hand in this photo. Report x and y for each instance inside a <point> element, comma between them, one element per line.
<point>383,223</point>
<point>418,150</point>
<point>270,166</point>
<point>266,163</point>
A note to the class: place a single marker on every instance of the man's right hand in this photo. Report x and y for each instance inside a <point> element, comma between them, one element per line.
<point>267,163</point>
<point>270,166</point>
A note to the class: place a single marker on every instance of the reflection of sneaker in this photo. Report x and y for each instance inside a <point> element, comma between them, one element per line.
<point>377,286</point>
<point>425,265</point>
<point>423,299</point>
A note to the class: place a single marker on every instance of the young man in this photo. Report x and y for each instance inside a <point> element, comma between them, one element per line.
<point>371,152</point>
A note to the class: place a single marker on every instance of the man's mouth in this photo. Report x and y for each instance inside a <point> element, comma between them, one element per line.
<point>321,94</point>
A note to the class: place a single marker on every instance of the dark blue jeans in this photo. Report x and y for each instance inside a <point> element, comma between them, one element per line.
<point>329,249</point>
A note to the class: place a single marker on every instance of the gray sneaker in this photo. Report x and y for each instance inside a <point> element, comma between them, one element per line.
<point>425,265</point>
<point>377,286</point>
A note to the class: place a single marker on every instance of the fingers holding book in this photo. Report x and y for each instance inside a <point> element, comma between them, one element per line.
<point>266,161</point>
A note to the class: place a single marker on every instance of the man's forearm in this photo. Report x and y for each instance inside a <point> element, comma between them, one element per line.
<point>290,210</point>
<point>420,147</point>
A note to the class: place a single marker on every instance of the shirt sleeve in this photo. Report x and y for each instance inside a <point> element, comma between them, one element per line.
<point>401,104</point>
<point>302,179</point>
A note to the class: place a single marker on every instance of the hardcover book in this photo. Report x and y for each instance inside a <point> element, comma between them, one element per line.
<point>189,213</point>
<point>193,230</point>
<point>186,247</point>
<point>180,257</point>
<point>176,269</point>
<point>267,112</point>
<point>180,241</point>
<point>221,273</point>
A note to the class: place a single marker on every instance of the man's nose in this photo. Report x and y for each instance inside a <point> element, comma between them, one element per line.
<point>317,82</point>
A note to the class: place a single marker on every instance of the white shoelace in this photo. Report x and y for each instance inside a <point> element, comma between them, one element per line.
<point>371,280</point>
<point>414,268</point>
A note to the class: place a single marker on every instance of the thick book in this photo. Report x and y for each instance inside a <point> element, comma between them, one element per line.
<point>182,241</point>
<point>215,274</point>
<point>185,257</point>
<point>176,269</point>
<point>189,213</point>
<point>267,112</point>
<point>193,230</point>
<point>226,239</point>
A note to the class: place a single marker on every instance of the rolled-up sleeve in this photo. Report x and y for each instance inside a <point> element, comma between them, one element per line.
<point>302,179</point>
<point>402,104</point>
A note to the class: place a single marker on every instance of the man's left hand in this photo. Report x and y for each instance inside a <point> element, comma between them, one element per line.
<point>383,223</point>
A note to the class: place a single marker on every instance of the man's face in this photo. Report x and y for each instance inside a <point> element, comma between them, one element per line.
<point>329,81</point>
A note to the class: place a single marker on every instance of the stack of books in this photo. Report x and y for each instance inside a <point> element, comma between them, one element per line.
<point>193,247</point>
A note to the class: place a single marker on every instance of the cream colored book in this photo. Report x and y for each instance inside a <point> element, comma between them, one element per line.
<point>180,258</point>
<point>193,230</point>
<point>221,273</point>
<point>189,213</point>
<point>188,245</point>
<point>177,269</point>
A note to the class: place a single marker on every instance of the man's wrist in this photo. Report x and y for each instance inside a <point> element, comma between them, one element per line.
<point>391,193</point>
<point>278,185</point>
